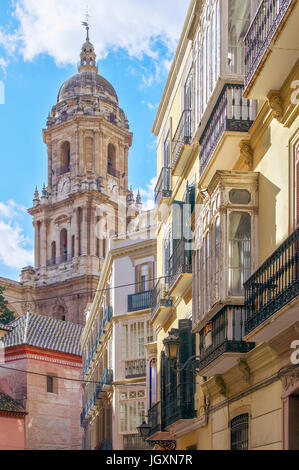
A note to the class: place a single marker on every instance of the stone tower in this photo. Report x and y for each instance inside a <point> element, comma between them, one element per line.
<point>87,139</point>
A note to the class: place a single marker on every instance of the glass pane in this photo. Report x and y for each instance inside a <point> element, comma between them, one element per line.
<point>239,251</point>
<point>239,196</point>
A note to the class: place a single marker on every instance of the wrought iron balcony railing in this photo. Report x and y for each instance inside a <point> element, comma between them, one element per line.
<point>154,418</point>
<point>135,368</point>
<point>180,262</point>
<point>112,171</point>
<point>274,284</point>
<point>139,301</point>
<point>163,186</point>
<point>182,136</point>
<point>232,112</point>
<point>261,32</point>
<point>160,297</point>
<point>178,404</point>
<point>135,442</point>
<point>224,334</point>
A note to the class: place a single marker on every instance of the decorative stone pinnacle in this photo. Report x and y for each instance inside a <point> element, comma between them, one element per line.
<point>36,194</point>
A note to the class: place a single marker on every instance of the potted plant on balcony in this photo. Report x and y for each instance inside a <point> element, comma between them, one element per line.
<point>208,341</point>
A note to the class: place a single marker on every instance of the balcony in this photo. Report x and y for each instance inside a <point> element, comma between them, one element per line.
<point>232,116</point>
<point>180,270</point>
<point>270,293</point>
<point>181,143</point>
<point>179,404</point>
<point>155,419</point>
<point>66,258</point>
<point>135,442</point>
<point>136,368</point>
<point>161,303</point>
<point>113,172</point>
<point>221,341</point>
<point>271,44</point>
<point>162,189</point>
<point>139,301</point>
<point>104,384</point>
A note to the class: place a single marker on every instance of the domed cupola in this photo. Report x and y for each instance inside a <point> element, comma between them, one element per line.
<point>87,83</point>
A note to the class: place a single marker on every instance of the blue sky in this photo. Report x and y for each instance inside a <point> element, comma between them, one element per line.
<point>40,42</point>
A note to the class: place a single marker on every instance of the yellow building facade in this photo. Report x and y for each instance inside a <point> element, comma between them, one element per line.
<point>226,308</point>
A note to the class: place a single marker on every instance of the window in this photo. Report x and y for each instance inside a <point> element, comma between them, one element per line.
<point>166,255</point>
<point>238,24</point>
<point>166,152</point>
<point>239,433</point>
<point>51,384</point>
<point>133,337</point>
<point>65,157</point>
<point>63,245</point>
<point>131,411</point>
<point>239,251</point>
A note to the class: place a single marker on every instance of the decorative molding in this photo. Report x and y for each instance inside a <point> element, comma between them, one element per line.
<point>246,154</point>
<point>245,370</point>
<point>276,104</point>
<point>222,386</point>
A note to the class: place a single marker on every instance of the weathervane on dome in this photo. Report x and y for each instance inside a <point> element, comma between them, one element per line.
<point>86,24</point>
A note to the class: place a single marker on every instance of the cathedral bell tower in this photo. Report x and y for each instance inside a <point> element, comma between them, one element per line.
<point>88,139</point>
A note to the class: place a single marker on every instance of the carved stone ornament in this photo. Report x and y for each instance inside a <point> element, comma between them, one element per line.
<point>246,154</point>
<point>245,370</point>
<point>275,103</point>
<point>221,384</point>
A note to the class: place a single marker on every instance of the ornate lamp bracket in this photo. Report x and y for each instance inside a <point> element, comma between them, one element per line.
<point>166,445</point>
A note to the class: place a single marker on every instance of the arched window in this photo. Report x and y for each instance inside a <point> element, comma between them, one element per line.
<point>63,245</point>
<point>239,432</point>
<point>65,157</point>
<point>60,313</point>
<point>111,166</point>
<point>53,252</point>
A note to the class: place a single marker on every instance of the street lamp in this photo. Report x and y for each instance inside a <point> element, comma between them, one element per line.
<point>144,431</point>
<point>172,343</point>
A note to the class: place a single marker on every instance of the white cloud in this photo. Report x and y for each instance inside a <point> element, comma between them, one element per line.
<point>14,250</point>
<point>150,106</point>
<point>53,27</point>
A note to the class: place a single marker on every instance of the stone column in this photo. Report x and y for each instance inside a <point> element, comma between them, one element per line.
<point>50,164</point>
<point>92,230</point>
<point>69,239</point>
<point>97,153</point>
<point>81,153</point>
<point>36,225</point>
